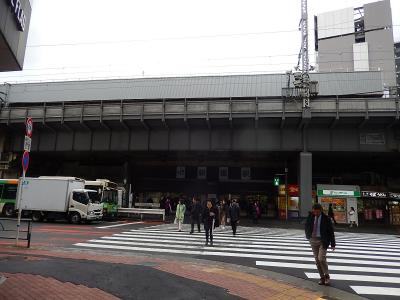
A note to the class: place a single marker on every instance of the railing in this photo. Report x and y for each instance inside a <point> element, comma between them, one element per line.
<point>185,108</point>
<point>8,230</point>
<point>142,211</point>
<point>147,205</point>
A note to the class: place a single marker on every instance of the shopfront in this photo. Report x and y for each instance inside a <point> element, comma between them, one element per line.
<point>380,207</point>
<point>292,204</point>
<point>374,207</point>
<point>394,208</point>
<point>342,198</point>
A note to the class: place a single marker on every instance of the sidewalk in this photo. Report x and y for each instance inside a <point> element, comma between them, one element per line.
<point>43,274</point>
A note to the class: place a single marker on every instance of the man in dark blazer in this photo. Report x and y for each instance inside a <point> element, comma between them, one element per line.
<point>195,213</point>
<point>320,233</point>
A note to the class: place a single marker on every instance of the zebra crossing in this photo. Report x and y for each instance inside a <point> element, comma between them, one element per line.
<point>366,264</point>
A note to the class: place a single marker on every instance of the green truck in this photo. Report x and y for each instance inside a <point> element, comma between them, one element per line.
<point>108,195</point>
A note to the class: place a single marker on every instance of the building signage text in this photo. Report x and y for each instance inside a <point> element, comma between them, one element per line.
<point>374,194</point>
<point>338,193</point>
<point>16,7</point>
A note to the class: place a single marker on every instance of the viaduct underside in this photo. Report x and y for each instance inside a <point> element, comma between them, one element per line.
<point>251,129</point>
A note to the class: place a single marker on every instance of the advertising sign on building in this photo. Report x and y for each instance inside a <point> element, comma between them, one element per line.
<point>338,193</point>
<point>245,173</point>
<point>180,172</point>
<point>370,194</point>
<point>202,173</point>
<point>223,173</point>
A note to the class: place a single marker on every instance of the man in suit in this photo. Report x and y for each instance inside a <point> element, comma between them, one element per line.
<point>195,213</point>
<point>320,233</point>
<point>234,215</point>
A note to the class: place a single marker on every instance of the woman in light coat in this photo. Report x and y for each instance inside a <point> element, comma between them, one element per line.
<point>180,214</point>
<point>352,217</point>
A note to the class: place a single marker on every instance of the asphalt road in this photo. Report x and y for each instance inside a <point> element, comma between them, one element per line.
<point>265,246</point>
<point>123,281</point>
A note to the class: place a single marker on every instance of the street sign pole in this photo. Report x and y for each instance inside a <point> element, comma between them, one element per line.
<point>19,206</point>
<point>25,164</point>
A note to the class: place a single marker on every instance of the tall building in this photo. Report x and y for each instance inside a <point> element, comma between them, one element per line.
<point>357,39</point>
<point>397,62</point>
<point>14,26</point>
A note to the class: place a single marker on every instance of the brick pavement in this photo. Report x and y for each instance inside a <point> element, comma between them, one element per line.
<point>239,283</point>
<point>32,287</point>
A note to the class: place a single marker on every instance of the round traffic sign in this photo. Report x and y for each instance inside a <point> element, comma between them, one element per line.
<point>29,127</point>
<point>25,161</point>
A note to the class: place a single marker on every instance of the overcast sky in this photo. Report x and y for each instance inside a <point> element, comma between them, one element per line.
<point>75,39</point>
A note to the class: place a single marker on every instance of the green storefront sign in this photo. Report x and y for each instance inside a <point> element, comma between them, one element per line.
<point>338,193</point>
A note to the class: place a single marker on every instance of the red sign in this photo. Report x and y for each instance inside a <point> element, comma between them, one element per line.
<point>29,127</point>
<point>293,190</point>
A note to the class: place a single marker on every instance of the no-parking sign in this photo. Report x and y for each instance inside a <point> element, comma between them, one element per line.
<point>25,161</point>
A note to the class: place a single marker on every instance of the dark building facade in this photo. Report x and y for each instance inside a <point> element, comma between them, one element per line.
<point>15,16</point>
<point>397,62</point>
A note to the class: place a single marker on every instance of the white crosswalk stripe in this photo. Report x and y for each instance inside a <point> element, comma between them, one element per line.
<point>369,259</point>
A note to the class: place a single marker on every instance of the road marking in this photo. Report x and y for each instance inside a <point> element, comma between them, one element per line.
<point>361,258</point>
<point>356,278</point>
<point>118,225</point>
<point>394,254</point>
<point>333,267</point>
<point>266,241</point>
<point>299,238</point>
<point>375,290</point>
<point>169,250</point>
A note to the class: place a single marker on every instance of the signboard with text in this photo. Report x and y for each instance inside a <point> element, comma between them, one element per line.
<point>338,193</point>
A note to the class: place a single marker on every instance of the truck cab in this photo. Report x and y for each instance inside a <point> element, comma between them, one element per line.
<point>84,205</point>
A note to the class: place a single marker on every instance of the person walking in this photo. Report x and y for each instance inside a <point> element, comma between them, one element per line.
<point>234,215</point>
<point>223,214</point>
<point>180,213</point>
<point>319,231</point>
<point>195,213</point>
<point>352,217</point>
<point>209,215</point>
<point>331,213</point>
<point>168,207</point>
<point>255,212</point>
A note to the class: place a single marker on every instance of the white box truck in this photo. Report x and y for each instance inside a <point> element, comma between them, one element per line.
<point>54,198</point>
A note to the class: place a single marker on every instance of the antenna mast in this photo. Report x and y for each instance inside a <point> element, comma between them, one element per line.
<point>305,64</point>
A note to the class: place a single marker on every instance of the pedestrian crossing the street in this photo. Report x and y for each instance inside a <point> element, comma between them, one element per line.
<point>366,264</point>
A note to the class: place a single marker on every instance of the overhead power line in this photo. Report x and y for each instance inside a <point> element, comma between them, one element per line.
<point>83,43</point>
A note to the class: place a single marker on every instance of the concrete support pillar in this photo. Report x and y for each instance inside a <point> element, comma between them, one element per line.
<point>127,180</point>
<point>305,181</point>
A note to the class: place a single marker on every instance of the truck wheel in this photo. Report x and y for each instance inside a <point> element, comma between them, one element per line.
<point>8,210</point>
<point>75,218</point>
<point>37,216</point>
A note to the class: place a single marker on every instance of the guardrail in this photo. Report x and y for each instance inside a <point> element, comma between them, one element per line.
<point>142,211</point>
<point>8,230</point>
<point>148,205</point>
